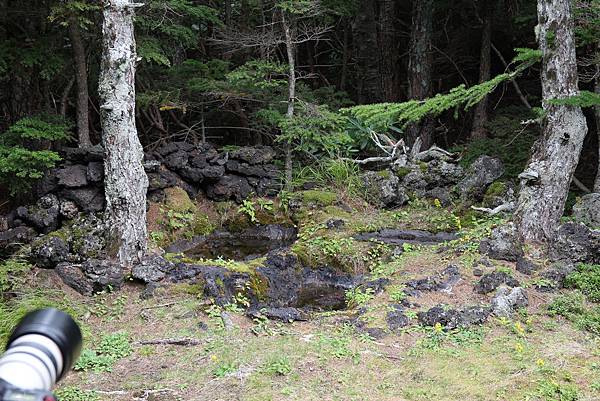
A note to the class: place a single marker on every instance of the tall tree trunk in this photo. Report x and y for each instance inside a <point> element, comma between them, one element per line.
<point>546,180</point>
<point>291,54</point>
<point>597,118</point>
<point>83,119</point>
<point>367,54</point>
<point>388,47</point>
<point>480,116</point>
<point>126,182</point>
<point>419,67</point>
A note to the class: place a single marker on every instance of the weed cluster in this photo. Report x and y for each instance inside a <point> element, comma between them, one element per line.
<point>112,347</point>
<point>572,307</point>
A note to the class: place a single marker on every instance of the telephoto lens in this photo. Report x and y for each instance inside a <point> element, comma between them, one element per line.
<point>41,350</point>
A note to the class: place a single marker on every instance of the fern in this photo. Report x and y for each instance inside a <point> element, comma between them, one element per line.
<point>584,99</point>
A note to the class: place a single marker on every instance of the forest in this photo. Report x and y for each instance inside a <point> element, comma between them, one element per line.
<point>306,199</point>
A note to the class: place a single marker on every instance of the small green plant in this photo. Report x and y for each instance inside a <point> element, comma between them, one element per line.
<point>278,366</point>
<point>397,293</point>
<point>12,273</point>
<point>552,390</point>
<point>338,344</point>
<point>112,347</point>
<point>225,369</point>
<point>587,279</point>
<point>72,393</point>
<point>567,305</point>
<point>356,297</point>
<point>247,208</point>
<point>265,204</point>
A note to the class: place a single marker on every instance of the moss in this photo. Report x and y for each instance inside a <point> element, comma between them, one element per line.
<point>496,189</point>
<point>178,200</point>
<point>384,173</point>
<point>259,286</point>
<point>321,198</point>
<point>423,166</point>
<point>403,172</point>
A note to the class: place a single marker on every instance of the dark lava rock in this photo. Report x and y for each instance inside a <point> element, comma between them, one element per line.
<point>383,189</point>
<point>335,223</point>
<point>191,174</point>
<point>72,176</point>
<point>92,276</point>
<point>49,251</point>
<point>452,318</point>
<point>253,154</point>
<point>68,209</point>
<point>587,209</point>
<point>477,272</point>
<point>149,290</point>
<point>43,215</point>
<point>13,238</point>
<point>443,281</point>
<point>399,237</point>
<point>213,172</point>
<point>89,200</point>
<point>503,244</point>
<point>483,172</point>
<point>507,301</point>
<point>95,172</point>
<point>489,282</point>
<point>526,266</point>
<point>576,243</point>
<point>177,161</point>
<point>396,319</point>
<point>229,187</point>
<point>285,314</point>
<point>151,269</point>
<point>83,155</point>
<point>555,276</point>
<point>173,147</point>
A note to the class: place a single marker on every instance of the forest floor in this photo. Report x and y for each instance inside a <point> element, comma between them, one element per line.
<point>129,352</point>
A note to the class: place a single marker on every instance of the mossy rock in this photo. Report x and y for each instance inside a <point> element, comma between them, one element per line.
<point>423,166</point>
<point>178,200</point>
<point>384,173</point>
<point>317,197</point>
<point>403,172</point>
<point>202,225</point>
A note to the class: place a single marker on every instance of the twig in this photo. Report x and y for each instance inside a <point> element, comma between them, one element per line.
<point>580,185</point>
<point>172,341</point>
<point>502,208</point>
<point>513,80</point>
<point>161,305</point>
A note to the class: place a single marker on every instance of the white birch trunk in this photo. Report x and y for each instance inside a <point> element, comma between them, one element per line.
<point>545,183</point>
<point>289,45</point>
<point>126,181</point>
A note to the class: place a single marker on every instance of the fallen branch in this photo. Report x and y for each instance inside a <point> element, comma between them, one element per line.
<point>186,342</point>
<point>507,207</point>
<point>160,305</point>
<point>581,186</point>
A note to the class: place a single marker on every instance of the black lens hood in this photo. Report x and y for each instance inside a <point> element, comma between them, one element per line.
<point>57,326</point>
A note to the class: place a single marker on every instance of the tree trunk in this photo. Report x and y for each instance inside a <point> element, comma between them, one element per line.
<point>126,182</point>
<point>290,48</point>
<point>597,118</point>
<point>480,116</point>
<point>83,120</point>
<point>419,67</point>
<point>388,46</point>
<point>545,183</point>
<point>367,54</point>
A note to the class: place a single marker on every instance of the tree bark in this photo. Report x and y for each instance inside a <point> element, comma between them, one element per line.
<point>597,118</point>
<point>420,66</point>
<point>81,76</point>
<point>480,116</point>
<point>290,48</point>
<point>388,50</point>
<point>547,178</point>
<point>126,182</point>
<point>369,87</point>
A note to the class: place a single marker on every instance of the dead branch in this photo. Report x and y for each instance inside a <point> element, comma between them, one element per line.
<point>507,207</point>
<point>186,342</point>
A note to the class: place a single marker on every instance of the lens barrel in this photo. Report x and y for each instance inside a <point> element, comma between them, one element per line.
<point>41,350</point>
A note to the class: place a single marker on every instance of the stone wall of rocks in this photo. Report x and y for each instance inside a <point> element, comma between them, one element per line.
<point>78,184</point>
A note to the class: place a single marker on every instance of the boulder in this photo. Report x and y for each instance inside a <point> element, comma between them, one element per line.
<point>13,238</point>
<point>92,276</point>
<point>173,147</point>
<point>383,189</point>
<point>83,155</point>
<point>285,314</point>
<point>453,318</point>
<point>72,176</point>
<point>95,172</point>
<point>253,154</point>
<point>439,173</point>
<point>503,244</point>
<point>89,199</point>
<point>396,319</point>
<point>43,215</point>
<point>483,172</point>
<point>444,281</point>
<point>489,282</point>
<point>507,301</point>
<point>152,269</point>
<point>587,209</point>
<point>49,251</point>
<point>229,187</point>
<point>213,172</point>
<point>176,161</point>
<point>526,266</point>
<point>68,209</point>
<point>576,243</point>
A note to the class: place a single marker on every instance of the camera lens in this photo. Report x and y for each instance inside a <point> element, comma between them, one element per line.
<point>41,350</point>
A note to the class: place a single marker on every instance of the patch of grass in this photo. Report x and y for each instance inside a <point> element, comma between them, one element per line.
<point>225,369</point>
<point>12,273</point>
<point>112,347</point>
<point>572,307</point>
<point>72,393</point>
<point>316,197</point>
<point>278,366</point>
<point>587,279</point>
<point>358,297</point>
